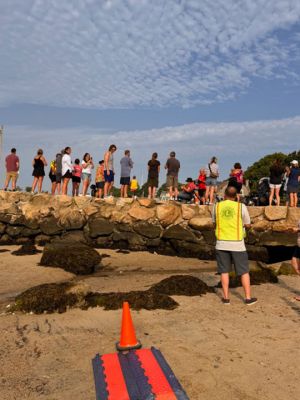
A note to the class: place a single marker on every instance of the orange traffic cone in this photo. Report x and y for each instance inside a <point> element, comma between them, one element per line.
<point>128,340</point>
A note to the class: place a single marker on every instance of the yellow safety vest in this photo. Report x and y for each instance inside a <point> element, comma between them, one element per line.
<point>229,223</point>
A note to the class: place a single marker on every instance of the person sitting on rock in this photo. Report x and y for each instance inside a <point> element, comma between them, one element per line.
<point>188,191</point>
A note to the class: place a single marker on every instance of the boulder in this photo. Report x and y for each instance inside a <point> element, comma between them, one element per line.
<point>274,213</point>
<point>286,269</point>
<point>133,239</point>
<point>50,225</point>
<point>180,233</point>
<point>41,240</point>
<point>100,227</point>
<point>30,232</point>
<point>270,238</point>
<point>72,256</point>
<point>293,216</point>
<point>201,223</point>
<point>257,253</point>
<point>281,226</point>
<point>104,242</point>
<point>261,225</point>
<point>188,249</point>
<point>71,218</point>
<point>2,228</point>
<point>144,202</point>
<point>141,213</point>
<point>188,211</point>
<point>150,231</point>
<point>255,212</point>
<point>11,214</point>
<point>5,239</point>
<point>168,214</point>
<point>14,231</point>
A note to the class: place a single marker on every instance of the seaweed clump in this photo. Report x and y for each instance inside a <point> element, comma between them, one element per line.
<point>49,297</point>
<point>182,285</point>
<point>137,299</point>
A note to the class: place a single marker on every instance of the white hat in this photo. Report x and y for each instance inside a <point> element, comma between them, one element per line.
<point>294,162</point>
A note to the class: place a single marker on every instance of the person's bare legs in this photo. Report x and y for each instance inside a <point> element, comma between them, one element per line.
<point>122,190</point>
<point>211,194</point>
<point>149,192</point>
<point>225,285</point>
<point>292,200</point>
<point>58,188</point>
<point>65,186</point>
<point>106,188</point>
<point>296,265</point>
<point>277,191</point>
<point>153,192</point>
<point>125,191</point>
<point>206,196</point>
<point>40,183</point>
<point>245,279</point>
<point>85,186</point>
<point>295,199</point>
<point>176,192</point>
<point>34,183</point>
<point>271,196</point>
<point>53,188</point>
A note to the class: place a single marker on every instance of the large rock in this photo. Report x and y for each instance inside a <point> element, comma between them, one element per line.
<point>286,269</point>
<point>11,214</point>
<point>150,231</point>
<point>293,216</point>
<point>72,256</point>
<point>180,233</point>
<point>168,214</point>
<point>141,213</point>
<point>201,223</point>
<point>255,212</point>
<point>100,227</point>
<point>261,225</point>
<point>71,218</point>
<point>257,253</point>
<point>50,225</point>
<point>274,213</point>
<point>14,231</point>
<point>2,228</point>
<point>144,202</point>
<point>188,249</point>
<point>270,238</point>
<point>188,211</point>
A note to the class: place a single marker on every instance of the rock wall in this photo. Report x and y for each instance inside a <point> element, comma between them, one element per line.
<point>165,228</point>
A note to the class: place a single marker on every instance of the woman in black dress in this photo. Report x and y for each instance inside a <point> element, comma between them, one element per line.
<point>39,162</point>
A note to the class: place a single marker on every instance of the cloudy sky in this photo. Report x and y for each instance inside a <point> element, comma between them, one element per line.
<point>202,78</point>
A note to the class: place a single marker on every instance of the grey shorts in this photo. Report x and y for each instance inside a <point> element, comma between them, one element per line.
<point>211,181</point>
<point>172,181</point>
<point>239,259</point>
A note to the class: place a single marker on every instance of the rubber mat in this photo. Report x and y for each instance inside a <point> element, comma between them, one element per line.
<point>136,375</point>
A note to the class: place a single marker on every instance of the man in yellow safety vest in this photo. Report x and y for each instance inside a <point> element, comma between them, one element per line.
<point>231,218</point>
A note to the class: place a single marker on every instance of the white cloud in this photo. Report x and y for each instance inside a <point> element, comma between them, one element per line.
<point>126,53</point>
<point>194,144</point>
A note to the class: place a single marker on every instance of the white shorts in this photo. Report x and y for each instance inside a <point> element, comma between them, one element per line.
<point>275,186</point>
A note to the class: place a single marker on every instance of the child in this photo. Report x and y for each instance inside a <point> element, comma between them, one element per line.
<point>99,179</point>
<point>52,176</point>
<point>134,185</point>
<point>76,177</point>
<point>202,185</point>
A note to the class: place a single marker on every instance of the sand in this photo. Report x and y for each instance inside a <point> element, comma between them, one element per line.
<point>218,352</point>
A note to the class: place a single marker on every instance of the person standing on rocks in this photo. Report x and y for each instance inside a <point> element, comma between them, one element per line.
<point>87,166</point>
<point>276,176</point>
<point>153,174</point>
<point>293,174</point>
<point>58,175</point>
<point>109,172</point>
<point>231,218</point>
<point>172,166</point>
<point>126,167</point>
<point>67,168</point>
<point>212,173</point>
<point>39,162</point>
<point>12,163</point>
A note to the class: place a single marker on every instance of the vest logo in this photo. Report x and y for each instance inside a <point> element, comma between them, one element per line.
<point>227,213</point>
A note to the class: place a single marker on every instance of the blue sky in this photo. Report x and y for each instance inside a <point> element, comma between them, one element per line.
<point>202,78</point>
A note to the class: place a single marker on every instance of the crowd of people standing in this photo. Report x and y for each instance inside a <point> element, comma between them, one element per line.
<point>202,190</point>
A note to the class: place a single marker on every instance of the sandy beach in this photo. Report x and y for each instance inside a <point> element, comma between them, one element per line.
<point>217,352</point>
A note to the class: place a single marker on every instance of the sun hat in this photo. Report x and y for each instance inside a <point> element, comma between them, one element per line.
<point>189,180</point>
<point>294,162</point>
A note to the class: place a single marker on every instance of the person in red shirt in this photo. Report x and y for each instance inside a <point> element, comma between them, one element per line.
<point>12,169</point>
<point>76,177</point>
<point>202,185</point>
<point>188,191</point>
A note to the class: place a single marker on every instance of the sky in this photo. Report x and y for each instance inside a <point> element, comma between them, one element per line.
<point>201,78</point>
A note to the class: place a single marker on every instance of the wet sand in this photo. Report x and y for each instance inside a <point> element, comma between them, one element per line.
<point>217,352</point>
